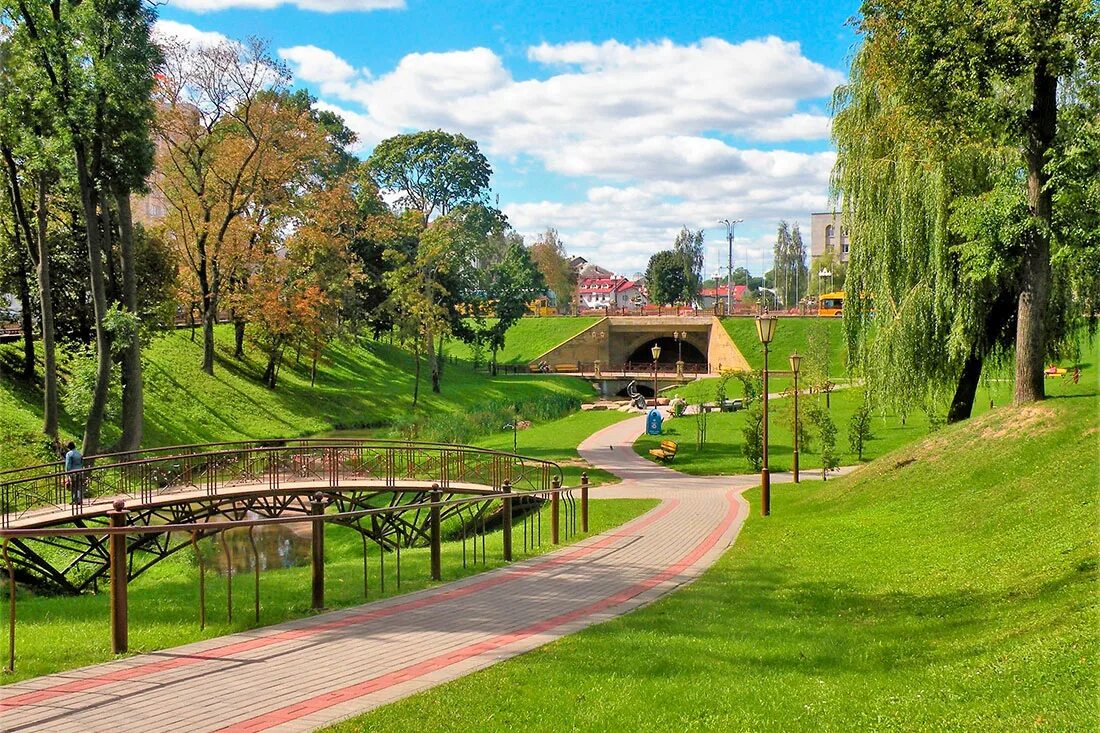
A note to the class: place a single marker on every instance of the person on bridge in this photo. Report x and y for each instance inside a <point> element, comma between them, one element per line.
<point>74,462</point>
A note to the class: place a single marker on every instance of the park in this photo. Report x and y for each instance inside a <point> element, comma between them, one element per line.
<point>461,392</point>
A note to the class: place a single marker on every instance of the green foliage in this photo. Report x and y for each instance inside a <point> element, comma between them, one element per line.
<point>76,393</point>
<point>689,248</point>
<point>859,429</point>
<point>822,420</point>
<point>752,435</point>
<point>665,277</point>
<point>484,419</point>
<point>431,170</point>
<point>752,384</point>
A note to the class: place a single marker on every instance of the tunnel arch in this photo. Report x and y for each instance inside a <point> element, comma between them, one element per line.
<point>691,353</point>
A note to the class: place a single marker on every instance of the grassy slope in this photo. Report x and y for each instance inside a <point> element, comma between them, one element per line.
<point>722,453</point>
<point>790,336</point>
<point>951,585</point>
<point>530,338</point>
<point>357,385</point>
<point>60,633</point>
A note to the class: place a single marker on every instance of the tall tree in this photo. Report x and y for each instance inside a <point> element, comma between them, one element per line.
<point>431,171</point>
<point>225,132</point>
<point>548,254</point>
<point>665,277</point>
<point>988,71</point>
<point>95,62</point>
<point>689,248</point>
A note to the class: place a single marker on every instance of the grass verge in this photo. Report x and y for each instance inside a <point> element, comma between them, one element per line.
<point>948,586</point>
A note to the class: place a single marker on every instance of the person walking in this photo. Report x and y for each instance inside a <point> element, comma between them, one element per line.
<point>74,463</point>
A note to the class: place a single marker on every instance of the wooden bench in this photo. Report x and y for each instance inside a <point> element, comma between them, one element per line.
<point>565,367</point>
<point>666,452</point>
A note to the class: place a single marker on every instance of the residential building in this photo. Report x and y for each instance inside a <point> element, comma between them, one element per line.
<point>708,296</point>
<point>827,235</point>
<point>609,292</point>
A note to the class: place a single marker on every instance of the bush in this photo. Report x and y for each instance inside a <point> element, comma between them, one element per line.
<point>859,430</point>
<point>753,433</point>
<point>826,431</point>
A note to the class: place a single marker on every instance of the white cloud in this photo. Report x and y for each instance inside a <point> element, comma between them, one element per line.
<point>660,135</point>
<point>321,6</point>
<point>186,34</point>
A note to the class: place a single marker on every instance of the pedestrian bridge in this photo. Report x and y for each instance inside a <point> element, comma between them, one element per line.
<point>204,485</point>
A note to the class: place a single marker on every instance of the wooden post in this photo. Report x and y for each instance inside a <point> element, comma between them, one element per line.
<point>555,512</point>
<point>506,518</point>
<point>317,509</point>
<point>437,564</point>
<point>119,606</point>
<point>584,501</point>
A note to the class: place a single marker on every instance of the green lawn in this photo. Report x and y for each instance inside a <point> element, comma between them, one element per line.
<point>56,633</point>
<point>790,336</point>
<point>360,383</point>
<point>948,586</point>
<point>529,338</point>
<point>721,455</point>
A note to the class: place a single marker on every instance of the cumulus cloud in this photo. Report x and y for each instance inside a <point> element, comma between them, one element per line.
<point>186,34</point>
<point>663,135</point>
<point>321,6</point>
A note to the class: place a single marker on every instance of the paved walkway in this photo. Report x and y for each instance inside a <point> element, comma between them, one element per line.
<point>302,675</point>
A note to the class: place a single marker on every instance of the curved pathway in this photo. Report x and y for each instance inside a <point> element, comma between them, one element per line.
<point>304,674</point>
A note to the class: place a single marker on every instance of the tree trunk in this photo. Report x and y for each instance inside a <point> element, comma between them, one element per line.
<point>1031,311</point>
<point>38,248</point>
<point>209,318</point>
<point>27,321</point>
<point>963,402</point>
<point>238,337</point>
<point>416,381</point>
<point>89,199</point>
<point>133,399</point>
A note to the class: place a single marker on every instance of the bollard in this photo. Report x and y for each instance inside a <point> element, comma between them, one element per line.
<point>584,501</point>
<point>555,511</point>
<point>117,545</point>
<point>437,565</point>
<point>317,509</point>
<point>506,519</point>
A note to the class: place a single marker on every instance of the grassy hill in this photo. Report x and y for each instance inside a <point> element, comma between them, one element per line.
<point>359,384</point>
<point>949,585</point>
<point>791,335</point>
<point>529,338</point>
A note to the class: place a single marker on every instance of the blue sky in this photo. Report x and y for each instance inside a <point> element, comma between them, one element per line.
<point>615,122</point>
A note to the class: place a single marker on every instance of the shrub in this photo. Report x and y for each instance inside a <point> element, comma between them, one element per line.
<point>753,433</point>
<point>859,429</point>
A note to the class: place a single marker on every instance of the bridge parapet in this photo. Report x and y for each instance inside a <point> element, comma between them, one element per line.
<point>35,495</point>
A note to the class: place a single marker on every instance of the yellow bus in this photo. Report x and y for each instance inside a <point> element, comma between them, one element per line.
<point>831,305</point>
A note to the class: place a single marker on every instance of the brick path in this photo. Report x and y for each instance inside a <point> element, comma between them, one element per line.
<point>304,674</point>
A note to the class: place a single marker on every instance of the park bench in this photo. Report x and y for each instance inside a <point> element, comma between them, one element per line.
<point>666,452</point>
<point>565,367</point>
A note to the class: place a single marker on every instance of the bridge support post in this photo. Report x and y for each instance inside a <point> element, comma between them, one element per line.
<point>437,564</point>
<point>506,521</point>
<point>317,509</point>
<point>555,512</point>
<point>119,606</point>
<point>584,501</point>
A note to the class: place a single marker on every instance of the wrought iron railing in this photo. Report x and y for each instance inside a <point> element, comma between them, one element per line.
<point>220,469</point>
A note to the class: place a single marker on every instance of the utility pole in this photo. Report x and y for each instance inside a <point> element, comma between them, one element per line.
<point>730,226</point>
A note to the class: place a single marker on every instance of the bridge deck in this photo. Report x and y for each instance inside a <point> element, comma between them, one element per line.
<point>100,505</point>
<point>302,675</point>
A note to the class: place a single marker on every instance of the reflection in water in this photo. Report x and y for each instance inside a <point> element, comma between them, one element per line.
<point>277,546</point>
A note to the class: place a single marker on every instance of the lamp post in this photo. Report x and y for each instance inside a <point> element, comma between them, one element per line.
<point>679,336</point>
<point>514,427</point>
<point>656,351</point>
<point>796,359</point>
<point>730,226</point>
<point>765,329</point>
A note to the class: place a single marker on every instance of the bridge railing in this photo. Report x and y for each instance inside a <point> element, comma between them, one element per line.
<point>214,470</point>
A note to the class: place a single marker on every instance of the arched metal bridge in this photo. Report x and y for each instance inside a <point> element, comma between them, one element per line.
<point>205,484</point>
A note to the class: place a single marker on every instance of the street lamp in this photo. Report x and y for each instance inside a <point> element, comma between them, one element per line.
<point>765,329</point>
<point>796,359</point>
<point>656,351</point>
<point>730,226</point>
<point>514,427</point>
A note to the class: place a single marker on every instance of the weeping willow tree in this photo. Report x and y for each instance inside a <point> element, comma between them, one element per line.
<point>930,294</point>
